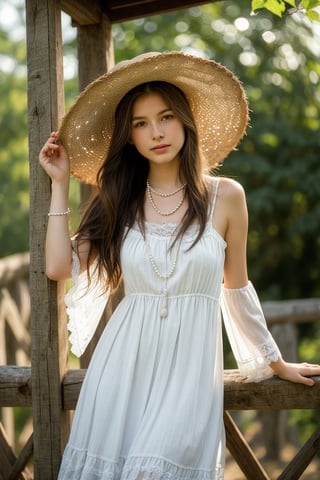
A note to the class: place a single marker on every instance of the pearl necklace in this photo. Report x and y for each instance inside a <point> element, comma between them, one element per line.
<point>163,276</point>
<point>165,195</point>
<point>156,208</point>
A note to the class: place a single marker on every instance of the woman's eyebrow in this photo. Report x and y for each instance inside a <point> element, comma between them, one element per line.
<point>159,113</point>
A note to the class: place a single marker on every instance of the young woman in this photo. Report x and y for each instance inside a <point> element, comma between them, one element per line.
<point>152,401</point>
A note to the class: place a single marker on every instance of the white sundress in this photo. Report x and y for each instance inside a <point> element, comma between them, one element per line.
<point>151,405</point>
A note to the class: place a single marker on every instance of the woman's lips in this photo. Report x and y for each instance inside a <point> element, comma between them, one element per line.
<point>160,148</point>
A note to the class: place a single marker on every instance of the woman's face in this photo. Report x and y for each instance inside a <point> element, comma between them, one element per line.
<point>157,133</point>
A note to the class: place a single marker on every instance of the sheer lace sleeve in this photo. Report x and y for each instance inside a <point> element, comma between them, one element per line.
<point>85,306</point>
<point>251,342</point>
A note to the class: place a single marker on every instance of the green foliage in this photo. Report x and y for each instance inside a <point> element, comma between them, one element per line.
<point>280,7</point>
<point>14,182</point>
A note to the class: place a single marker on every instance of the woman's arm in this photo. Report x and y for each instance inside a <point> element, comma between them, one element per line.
<point>234,202</point>
<point>233,205</point>
<point>53,158</point>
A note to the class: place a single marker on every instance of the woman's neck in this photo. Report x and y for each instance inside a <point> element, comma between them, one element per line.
<point>165,180</point>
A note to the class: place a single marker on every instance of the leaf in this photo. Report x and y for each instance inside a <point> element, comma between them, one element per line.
<point>313,15</point>
<point>274,6</point>
<point>309,4</point>
<point>292,3</point>
<point>256,4</point>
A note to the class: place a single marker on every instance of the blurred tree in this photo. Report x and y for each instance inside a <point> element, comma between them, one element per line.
<point>14,184</point>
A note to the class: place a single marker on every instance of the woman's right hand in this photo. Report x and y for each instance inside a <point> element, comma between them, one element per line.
<point>54,159</point>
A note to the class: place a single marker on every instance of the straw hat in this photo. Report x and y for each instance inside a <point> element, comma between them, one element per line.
<point>215,95</point>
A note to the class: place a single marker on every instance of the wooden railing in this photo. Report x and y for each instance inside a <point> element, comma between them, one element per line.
<point>14,349</point>
<point>270,395</point>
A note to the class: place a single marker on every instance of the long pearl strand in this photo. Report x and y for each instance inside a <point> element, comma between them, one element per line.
<point>163,276</point>
<point>156,208</point>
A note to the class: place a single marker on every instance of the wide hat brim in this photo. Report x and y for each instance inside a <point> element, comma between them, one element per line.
<point>215,95</point>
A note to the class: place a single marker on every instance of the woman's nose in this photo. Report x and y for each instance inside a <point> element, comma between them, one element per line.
<point>157,131</point>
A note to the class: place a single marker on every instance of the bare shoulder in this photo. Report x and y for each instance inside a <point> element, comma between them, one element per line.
<point>230,207</point>
<point>233,202</point>
<point>230,190</point>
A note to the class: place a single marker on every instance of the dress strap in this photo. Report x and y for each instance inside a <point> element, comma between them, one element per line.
<point>215,186</point>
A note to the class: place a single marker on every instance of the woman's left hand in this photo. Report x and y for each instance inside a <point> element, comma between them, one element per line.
<point>296,372</point>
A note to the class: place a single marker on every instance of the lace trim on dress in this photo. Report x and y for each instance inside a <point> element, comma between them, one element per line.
<point>257,369</point>
<point>155,468</point>
<point>78,464</point>
<point>252,344</point>
<point>85,306</point>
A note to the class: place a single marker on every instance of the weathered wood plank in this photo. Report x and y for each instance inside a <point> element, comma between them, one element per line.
<point>48,323</point>
<point>83,12</point>
<point>119,10</point>
<point>241,451</point>
<point>7,457</point>
<point>271,394</point>
<point>300,462</point>
<point>89,13</point>
<point>15,386</point>
<point>22,460</point>
<point>8,460</point>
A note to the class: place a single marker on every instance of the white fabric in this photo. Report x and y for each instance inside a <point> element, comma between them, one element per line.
<point>151,405</point>
<point>251,342</point>
<point>79,300</point>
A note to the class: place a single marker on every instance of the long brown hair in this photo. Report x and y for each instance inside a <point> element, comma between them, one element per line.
<point>121,181</point>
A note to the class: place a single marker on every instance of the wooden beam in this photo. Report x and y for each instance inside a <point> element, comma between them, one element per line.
<point>300,462</point>
<point>241,451</point>
<point>22,460</point>
<point>15,386</point>
<point>48,322</point>
<point>83,12</point>
<point>271,394</point>
<point>8,461</point>
<point>122,11</point>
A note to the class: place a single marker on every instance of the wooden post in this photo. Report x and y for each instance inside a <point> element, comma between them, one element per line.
<point>48,326</point>
<point>95,56</point>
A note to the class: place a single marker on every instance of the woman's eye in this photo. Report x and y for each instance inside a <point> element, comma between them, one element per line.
<point>139,124</point>
<point>167,117</point>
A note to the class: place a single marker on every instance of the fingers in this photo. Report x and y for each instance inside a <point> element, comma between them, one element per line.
<point>305,364</point>
<point>307,381</point>
<point>50,148</point>
<point>300,373</point>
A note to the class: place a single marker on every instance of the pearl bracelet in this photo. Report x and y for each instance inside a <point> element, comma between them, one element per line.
<point>59,214</point>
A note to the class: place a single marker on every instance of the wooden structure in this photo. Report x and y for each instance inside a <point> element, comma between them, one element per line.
<point>48,386</point>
